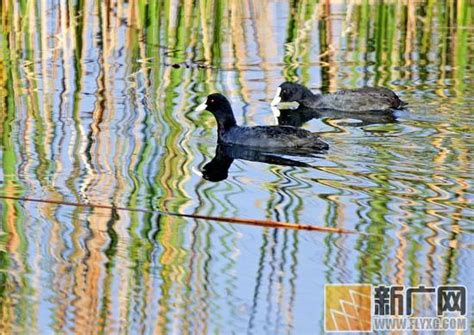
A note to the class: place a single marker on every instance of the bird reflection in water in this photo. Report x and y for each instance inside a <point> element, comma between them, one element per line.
<point>299,116</point>
<point>218,168</point>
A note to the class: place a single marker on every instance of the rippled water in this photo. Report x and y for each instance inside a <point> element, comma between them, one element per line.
<point>98,106</point>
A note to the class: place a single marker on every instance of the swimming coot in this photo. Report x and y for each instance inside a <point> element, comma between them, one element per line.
<point>286,138</point>
<point>356,100</point>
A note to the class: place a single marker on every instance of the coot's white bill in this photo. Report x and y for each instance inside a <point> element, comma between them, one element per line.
<point>202,106</point>
<point>276,100</point>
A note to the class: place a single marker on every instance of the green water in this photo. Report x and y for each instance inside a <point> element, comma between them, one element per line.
<point>97,106</point>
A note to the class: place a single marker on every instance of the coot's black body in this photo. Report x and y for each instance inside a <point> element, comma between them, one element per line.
<point>357,100</point>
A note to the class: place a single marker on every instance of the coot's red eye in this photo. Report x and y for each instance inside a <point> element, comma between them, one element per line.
<point>212,100</point>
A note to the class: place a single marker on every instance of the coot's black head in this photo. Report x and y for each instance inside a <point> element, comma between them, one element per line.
<point>215,102</point>
<point>289,92</point>
<point>218,105</point>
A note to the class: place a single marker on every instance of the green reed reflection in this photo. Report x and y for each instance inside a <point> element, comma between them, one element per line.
<point>97,105</point>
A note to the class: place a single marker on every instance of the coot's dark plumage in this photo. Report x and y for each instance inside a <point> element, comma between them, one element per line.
<point>271,137</point>
<point>356,100</point>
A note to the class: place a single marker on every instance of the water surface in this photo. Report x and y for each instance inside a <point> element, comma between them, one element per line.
<point>98,106</point>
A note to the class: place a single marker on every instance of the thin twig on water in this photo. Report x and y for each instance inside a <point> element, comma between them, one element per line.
<point>253,222</point>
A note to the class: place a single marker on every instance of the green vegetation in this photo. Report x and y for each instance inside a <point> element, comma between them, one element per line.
<point>96,105</point>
